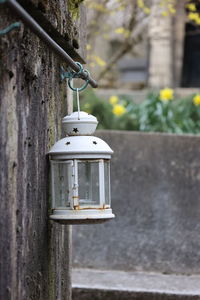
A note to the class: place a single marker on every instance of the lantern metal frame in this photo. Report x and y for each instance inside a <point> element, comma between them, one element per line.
<point>73,150</point>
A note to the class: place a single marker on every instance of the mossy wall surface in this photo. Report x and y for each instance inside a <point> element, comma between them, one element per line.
<point>35,253</point>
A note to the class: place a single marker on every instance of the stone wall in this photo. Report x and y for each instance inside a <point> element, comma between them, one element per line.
<point>155,183</point>
<point>35,253</point>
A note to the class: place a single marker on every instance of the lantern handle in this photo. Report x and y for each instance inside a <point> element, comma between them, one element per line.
<point>78,102</point>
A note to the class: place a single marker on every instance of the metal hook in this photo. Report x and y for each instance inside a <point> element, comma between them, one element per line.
<point>72,74</point>
<point>9,28</point>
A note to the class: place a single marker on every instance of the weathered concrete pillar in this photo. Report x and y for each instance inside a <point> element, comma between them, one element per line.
<point>161,52</point>
<point>35,254</point>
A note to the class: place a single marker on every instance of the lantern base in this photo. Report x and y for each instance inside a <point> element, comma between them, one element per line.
<point>82,216</point>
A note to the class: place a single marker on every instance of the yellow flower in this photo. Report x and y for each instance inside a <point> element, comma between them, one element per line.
<point>197,21</point>
<point>193,16</point>
<point>113,100</point>
<point>196,100</point>
<point>147,10</point>
<point>165,14</point>
<point>166,94</point>
<point>119,110</point>
<point>140,3</point>
<point>99,60</point>
<point>172,9</point>
<point>121,30</point>
<point>191,6</point>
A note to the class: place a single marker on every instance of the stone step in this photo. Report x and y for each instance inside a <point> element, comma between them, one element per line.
<point>90,284</point>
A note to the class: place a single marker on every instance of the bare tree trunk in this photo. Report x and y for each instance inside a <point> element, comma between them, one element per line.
<point>135,37</point>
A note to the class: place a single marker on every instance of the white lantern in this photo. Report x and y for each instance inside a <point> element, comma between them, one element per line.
<point>80,172</point>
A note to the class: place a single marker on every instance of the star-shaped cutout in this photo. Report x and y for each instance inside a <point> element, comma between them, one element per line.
<point>75,130</point>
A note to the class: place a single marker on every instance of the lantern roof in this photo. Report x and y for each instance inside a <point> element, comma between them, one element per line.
<point>81,147</point>
<point>79,123</point>
<point>80,117</point>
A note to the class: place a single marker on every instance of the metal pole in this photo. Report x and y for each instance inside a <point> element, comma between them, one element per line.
<point>41,33</point>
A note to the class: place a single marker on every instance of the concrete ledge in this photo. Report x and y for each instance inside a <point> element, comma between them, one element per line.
<point>97,285</point>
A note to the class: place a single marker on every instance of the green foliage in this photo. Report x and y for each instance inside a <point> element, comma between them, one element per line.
<point>152,115</point>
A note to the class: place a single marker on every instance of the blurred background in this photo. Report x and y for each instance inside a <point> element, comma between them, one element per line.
<point>145,55</point>
<point>146,58</point>
<point>142,44</point>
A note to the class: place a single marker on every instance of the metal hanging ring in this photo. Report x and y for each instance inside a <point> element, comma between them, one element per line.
<point>76,75</point>
<point>81,68</point>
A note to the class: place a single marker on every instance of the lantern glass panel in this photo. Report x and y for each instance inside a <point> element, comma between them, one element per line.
<point>107,181</point>
<point>61,184</point>
<point>88,186</point>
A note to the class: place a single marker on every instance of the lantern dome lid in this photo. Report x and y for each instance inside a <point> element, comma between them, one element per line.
<point>81,147</point>
<point>79,123</point>
<point>80,117</point>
